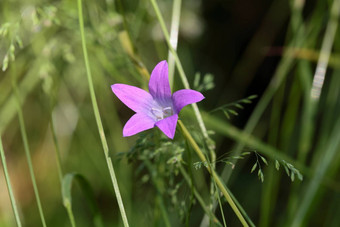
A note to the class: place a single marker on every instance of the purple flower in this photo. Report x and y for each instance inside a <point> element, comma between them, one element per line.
<point>158,107</point>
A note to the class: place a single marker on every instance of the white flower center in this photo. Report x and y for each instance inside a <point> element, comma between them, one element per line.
<point>162,112</point>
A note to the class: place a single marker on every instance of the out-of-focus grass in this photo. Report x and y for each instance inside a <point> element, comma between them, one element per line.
<point>286,123</point>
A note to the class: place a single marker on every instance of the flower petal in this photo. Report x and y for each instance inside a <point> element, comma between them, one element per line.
<point>168,125</point>
<point>135,98</point>
<point>185,97</point>
<point>137,123</point>
<point>159,86</point>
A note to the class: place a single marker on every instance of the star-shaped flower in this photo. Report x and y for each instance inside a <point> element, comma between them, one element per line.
<point>158,107</point>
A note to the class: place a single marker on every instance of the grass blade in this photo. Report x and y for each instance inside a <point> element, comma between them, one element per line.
<point>89,195</point>
<point>9,186</point>
<point>98,119</point>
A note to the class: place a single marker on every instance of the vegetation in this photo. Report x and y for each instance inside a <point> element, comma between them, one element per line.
<point>262,148</point>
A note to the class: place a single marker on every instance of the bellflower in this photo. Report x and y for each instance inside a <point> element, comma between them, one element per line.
<point>158,107</point>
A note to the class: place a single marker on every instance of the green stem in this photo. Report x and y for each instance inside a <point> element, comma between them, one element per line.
<point>27,149</point>
<point>71,216</point>
<point>179,66</point>
<point>220,204</point>
<point>186,86</point>
<point>159,197</point>
<point>199,198</point>
<point>216,178</point>
<point>9,185</point>
<point>98,119</point>
<point>57,150</point>
<point>176,13</point>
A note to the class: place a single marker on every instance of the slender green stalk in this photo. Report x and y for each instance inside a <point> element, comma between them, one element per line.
<point>216,178</point>
<point>179,66</point>
<point>270,185</point>
<point>98,119</point>
<point>320,172</point>
<point>70,215</point>
<point>320,73</point>
<point>27,150</point>
<point>57,150</point>
<point>9,185</point>
<point>199,198</point>
<point>176,13</point>
<point>220,204</point>
<point>325,52</point>
<point>59,166</point>
<point>159,197</point>
<point>185,82</point>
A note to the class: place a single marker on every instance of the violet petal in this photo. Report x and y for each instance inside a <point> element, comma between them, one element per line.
<point>185,97</point>
<point>135,98</point>
<point>168,125</point>
<point>137,123</point>
<point>159,86</point>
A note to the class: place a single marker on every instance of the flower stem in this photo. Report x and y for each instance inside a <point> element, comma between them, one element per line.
<point>98,119</point>
<point>176,13</point>
<point>56,145</point>
<point>199,198</point>
<point>70,215</point>
<point>179,66</point>
<point>9,186</point>
<point>185,82</point>
<point>216,178</point>
<point>27,149</point>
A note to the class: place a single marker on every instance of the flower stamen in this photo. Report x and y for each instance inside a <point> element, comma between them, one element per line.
<point>162,112</point>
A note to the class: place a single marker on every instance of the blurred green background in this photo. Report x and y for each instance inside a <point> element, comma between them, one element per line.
<point>272,49</point>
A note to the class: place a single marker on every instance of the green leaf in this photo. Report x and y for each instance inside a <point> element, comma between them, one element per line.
<point>11,52</point>
<point>277,164</point>
<point>245,153</point>
<point>239,106</point>
<point>5,63</point>
<point>246,101</point>
<point>300,176</point>
<point>262,177</point>
<point>226,114</point>
<point>197,165</point>
<point>254,167</point>
<point>88,193</point>
<point>252,97</point>
<point>264,160</point>
<point>292,176</point>
<point>259,172</point>
<point>19,41</point>
<point>232,112</point>
<point>286,169</point>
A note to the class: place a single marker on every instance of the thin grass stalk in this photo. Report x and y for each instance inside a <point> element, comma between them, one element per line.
<point>220,204</point>
<point>176,13</point>
<point>9,185</point>
<point>27,149</point>
<point>98,119</point>
<point>312,95</point>
<point>234,133</point>
<point>56,146</point>
<point>179,66</point>
<point>325,138</point>
<point>70,215</point>
<point>216,178</point>
<point>280,74</point>
<point>270,184</point>
<point>199,198</point>
<point>320,173</point>
<point>186,86</point>
<point>321,68</point>
<point>159,197</point>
